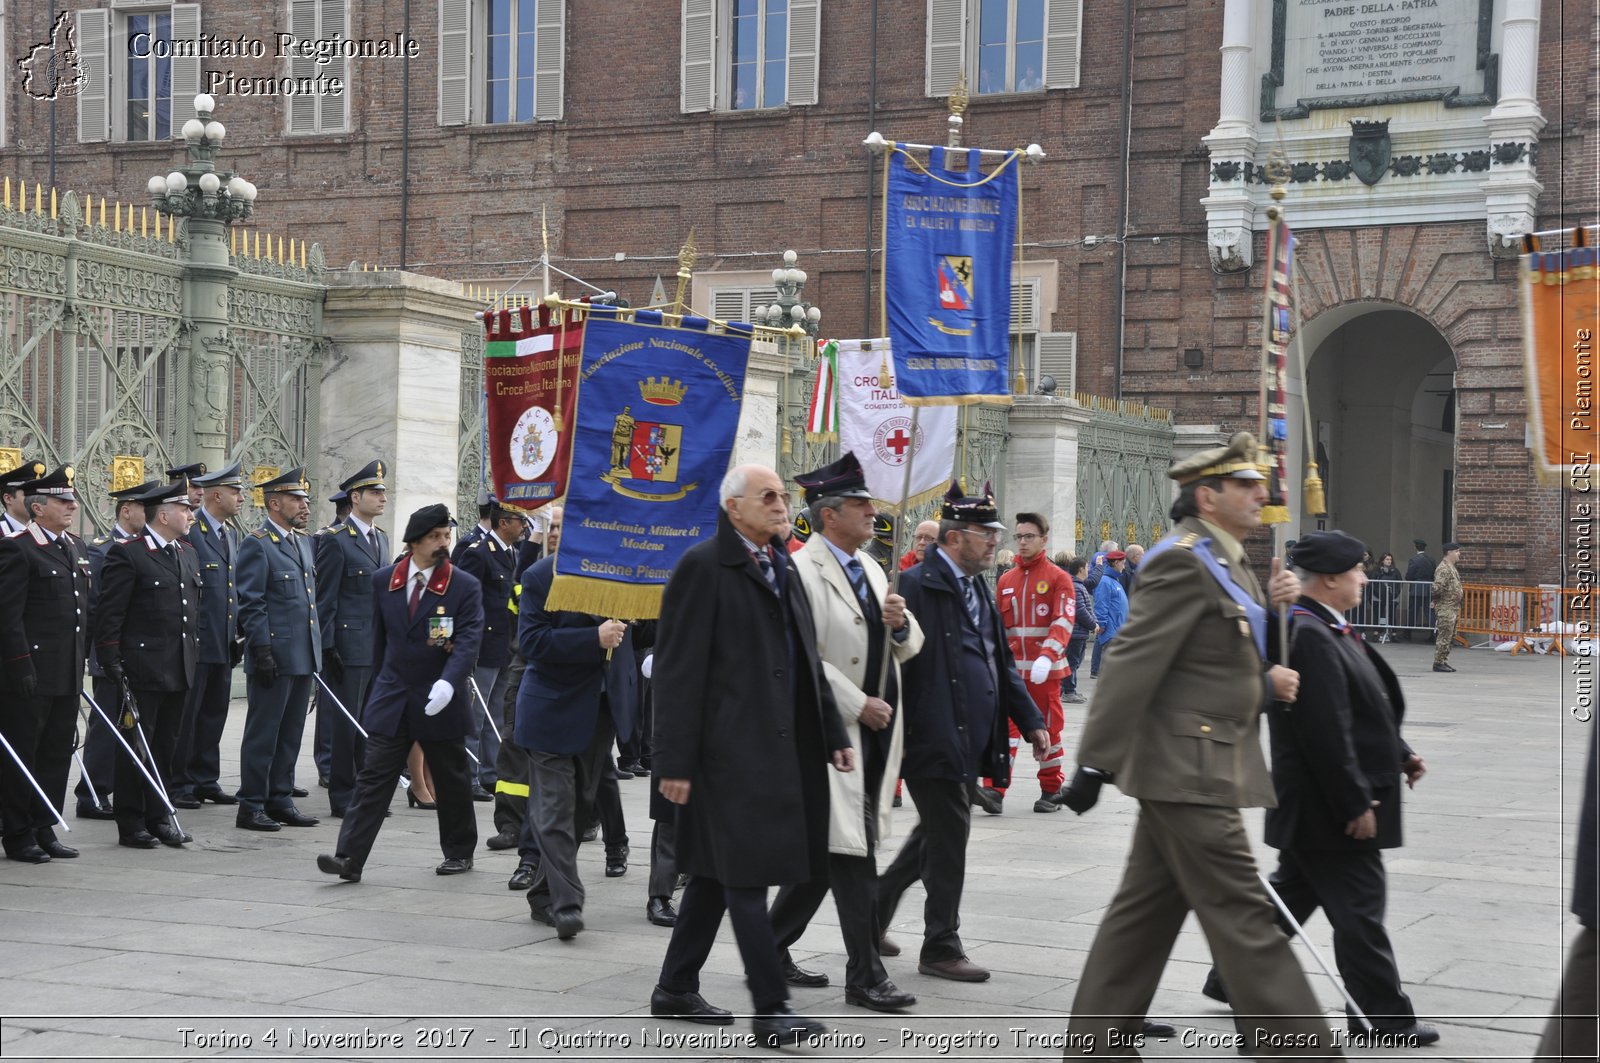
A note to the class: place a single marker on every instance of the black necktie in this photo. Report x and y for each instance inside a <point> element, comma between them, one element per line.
<point>372,537</point>
<point>974,607</point>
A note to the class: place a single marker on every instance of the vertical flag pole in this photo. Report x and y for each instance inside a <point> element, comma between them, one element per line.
<point>1274,343</point>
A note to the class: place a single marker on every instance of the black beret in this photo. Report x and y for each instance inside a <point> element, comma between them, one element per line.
<point>1420,544</point>
<point>426,519</point>
<point>1327,552</point>
<point>1451,546</point>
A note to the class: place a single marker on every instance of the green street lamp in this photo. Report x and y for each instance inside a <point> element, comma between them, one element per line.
<point>789,309</point>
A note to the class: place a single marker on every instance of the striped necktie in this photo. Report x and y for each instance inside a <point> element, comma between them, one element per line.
<point>974,608</point>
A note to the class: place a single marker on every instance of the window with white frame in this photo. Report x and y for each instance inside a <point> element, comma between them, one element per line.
<point>743,55</point>
<point>501,61</point>
<point>136,87</point>
<point>1003,46</point>
<point>323,112</point>
<point>736,304</point>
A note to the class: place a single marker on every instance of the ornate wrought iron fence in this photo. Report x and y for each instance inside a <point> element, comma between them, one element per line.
<point>1123,456</point>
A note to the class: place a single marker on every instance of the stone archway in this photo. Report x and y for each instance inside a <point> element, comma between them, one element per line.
<point>1383,411</point>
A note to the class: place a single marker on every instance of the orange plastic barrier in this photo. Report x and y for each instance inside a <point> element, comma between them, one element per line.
<point>1519,614</point>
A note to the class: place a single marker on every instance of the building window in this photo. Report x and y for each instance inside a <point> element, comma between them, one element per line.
<point>148,36</point>
<point>1001,46</point>
<point>741,55</point>
<point>135,88</point>
<point>501,61</point>
<point>308,113</point>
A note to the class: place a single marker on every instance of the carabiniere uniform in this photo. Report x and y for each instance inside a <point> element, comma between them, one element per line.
<point>44,649</point>
<point>147,628</point>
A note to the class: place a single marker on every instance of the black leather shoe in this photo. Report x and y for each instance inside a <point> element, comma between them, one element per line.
<point>480,794</point>
<point>299,791</point>
<point>521,878</point>
<point>898,801</point>
<point>659,911</point>
<point>633,767</point>
<point>795,976</point>
<point>55,850</point>
<point>88,811</point>
<point>617,863</point>
<point>336,813</point>
<point>781,1026</point>
<point>690,1006</point>
<point>1443,668</point>
<point>138,839</point>
<point>217,797</point>
<point>501,841</point>
<point>167,834</point>
<point>27,853</point>
<point>342,866</point>
<point>1158,1029</point>
<point>1214,988</point>
<point>621,774</point>
<point>568,922</point>
<point>1046,803</point>
<point>887,946</point>
<point>885,996</point>
<point>254,819</point>
<point>591,834</point>
<point>991,801</point>
<point>455,865</point>
<point>292,817</point>
<point>322,781</point>
<point>184,801</point>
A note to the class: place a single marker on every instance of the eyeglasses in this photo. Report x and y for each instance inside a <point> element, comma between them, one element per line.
<point>1026,537</point>
<point>986,534</point>
<point>767,497</point>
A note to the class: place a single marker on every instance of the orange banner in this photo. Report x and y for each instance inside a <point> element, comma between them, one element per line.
<point>1561,320</point>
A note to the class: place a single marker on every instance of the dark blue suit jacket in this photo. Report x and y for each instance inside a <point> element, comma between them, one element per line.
<point>346,562</point>
<point>219,598</point>
<point>277,600</point>
<point>558,703</point>
<point>492,564</point>
<point>407,665</point>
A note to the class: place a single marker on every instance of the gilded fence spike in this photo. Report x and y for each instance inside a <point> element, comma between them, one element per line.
<point>52,202</point>
<point>8,193</point>
<point>38,198</point>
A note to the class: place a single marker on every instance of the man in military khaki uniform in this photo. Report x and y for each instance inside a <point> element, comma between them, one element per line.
<point>1446,605</point>
<point>1175,724</point>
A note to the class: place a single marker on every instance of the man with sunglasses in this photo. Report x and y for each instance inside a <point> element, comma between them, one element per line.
<point>960,691</point>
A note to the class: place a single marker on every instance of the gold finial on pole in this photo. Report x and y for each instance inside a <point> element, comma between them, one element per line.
<point>686,258</point>
<point>958,108</point>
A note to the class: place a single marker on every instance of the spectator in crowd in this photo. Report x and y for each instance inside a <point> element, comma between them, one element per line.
<point>1110,607</point>
<point>1084,628</point>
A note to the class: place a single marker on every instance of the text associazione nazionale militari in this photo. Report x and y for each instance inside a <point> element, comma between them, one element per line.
<point>322,51</point>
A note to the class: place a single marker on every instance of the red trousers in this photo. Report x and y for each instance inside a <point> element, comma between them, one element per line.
<point>1047,696</point>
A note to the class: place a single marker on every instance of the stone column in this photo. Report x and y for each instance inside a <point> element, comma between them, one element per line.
<point>391,387</point>
<point>759,434</point>
<point>209,350</point>
<point>1511,195</point>
<point>1230,212</point>
<point>1042,463</point>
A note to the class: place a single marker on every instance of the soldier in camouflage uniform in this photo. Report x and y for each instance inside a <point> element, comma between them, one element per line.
<point>1446,605</point>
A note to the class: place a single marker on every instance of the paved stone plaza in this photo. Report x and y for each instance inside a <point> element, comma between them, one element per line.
<point>119,952</point>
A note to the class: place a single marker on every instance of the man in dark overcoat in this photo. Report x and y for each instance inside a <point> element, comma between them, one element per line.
<point>348,553</point>
<point>100,751</point>
<point>278,618</point>
<point>44,576</point>
<point>492,560</point>
<point>1337,763</point>
<point>147,634</point>
<point>428,620</point>
<point>1572,1029</point>
<point>745,728</point>
<point>577,696</point>
<point>197,769</point>
<point>961,692</point>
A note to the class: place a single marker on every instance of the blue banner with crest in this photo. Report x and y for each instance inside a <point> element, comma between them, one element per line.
<point>656,416</point>
<point>949,241</point>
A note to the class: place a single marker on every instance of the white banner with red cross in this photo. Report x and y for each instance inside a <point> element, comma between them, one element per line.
<point>876,425</point>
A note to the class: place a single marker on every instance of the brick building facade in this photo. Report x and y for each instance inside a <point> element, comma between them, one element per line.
<point>631,123</point>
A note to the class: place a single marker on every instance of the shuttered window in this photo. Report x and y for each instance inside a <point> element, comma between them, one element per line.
<point>501,61</point>
<point>1003,46</point>
<point>314,20</point>
<point>1057,357</point>
<point>739,55</point>
<point>736,304</point>
<point>94,104</point>
<point>134,88</point>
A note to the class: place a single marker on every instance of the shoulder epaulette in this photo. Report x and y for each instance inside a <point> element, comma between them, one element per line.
<point>259,533</point>
<point>1188,541</point>
<point>474,544</point>
<point>101,540</point>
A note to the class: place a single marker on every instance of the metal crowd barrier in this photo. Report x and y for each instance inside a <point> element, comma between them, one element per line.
<point>1526,616</point>
<point>1392,608</point>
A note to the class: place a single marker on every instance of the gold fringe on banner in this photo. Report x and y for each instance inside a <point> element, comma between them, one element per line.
<point>914,501</point>
<point>604,597</point>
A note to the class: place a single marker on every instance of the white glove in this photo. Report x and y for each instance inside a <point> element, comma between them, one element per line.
<point>440,696</point>
<point>1040,672</point>
<point>647,665</point>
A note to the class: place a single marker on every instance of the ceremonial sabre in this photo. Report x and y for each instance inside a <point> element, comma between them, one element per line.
<point>138,727</point>
<point>479,695</point>
<point>117,734</point>
<point>1300,932</point>
<point>83,769</point>
<point>26,774</point>
<point>353,721</point>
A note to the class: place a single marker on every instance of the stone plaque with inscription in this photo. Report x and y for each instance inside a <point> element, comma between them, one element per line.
<point>1356,53</point>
